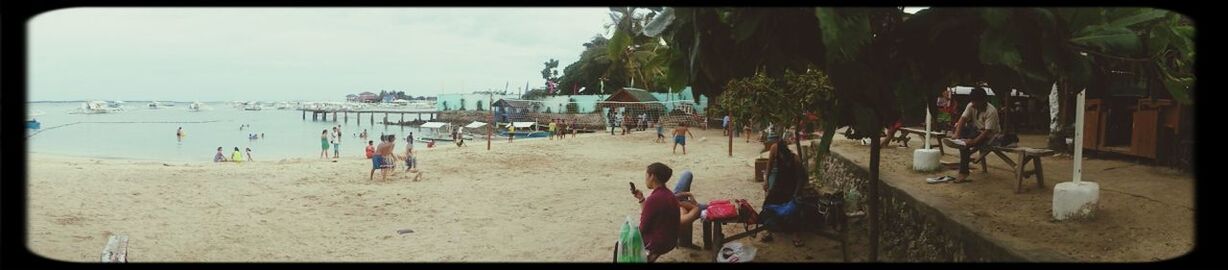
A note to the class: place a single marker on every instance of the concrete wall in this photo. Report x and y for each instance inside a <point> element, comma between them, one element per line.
<point>471,101</point>
<point>913,231</point>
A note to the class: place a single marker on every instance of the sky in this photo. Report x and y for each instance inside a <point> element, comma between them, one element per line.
<point>311,54</point>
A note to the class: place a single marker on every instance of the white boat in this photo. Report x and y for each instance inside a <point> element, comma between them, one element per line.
<point>196,107</point>
<point>154,105</point>
<point>167,104</point>
<point>439,131</point>
<point>283,106</point>
<point>252,107</point>
<point>93,107</point>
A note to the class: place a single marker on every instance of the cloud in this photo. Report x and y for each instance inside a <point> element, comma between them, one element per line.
<point>296,53</point>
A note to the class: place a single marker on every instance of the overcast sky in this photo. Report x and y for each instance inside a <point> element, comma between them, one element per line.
<point>223,54</point>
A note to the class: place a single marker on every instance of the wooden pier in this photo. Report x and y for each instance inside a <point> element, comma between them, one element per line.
<point>323,115</point>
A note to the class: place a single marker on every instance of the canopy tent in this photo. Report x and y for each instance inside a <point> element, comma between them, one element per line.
<point>434,124</point>
<point>523,124</point>
<point>475,124</point>
<point>965,90</point>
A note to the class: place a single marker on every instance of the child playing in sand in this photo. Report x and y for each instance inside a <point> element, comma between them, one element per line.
<point>219,157</point>
<point>411,162</point>
<point>236,156</point>
<point>249,154</point>
<point>680,134</point>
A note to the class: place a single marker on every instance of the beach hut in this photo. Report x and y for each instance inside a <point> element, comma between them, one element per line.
<point>628,101</point>
<point>508,110</point>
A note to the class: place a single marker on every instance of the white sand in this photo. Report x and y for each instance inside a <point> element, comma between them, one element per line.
<point>531,200</point>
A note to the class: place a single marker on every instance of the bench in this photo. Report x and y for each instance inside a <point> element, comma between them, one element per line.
<point>829,211</point>
<point>937,135</point>
<point>1023,154</point>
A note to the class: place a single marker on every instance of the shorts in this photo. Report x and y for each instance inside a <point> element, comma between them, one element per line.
<point>680,139</point>
<point>660,136</point>
<point>377,162</point>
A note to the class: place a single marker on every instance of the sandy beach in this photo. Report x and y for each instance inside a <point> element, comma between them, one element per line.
<point>531,200</point>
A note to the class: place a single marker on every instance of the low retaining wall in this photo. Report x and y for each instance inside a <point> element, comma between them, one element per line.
<point>912,231</point>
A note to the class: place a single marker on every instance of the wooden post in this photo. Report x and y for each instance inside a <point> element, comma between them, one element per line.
<point>347,117</point>
<point>334,116</point>
<point>116,250</point>
<point>304,115</point>
<point>402,118</point>
<point>729,128</point>
<point>490,126</point>
<point>385,118</point>
<point>372,118</point>
<point>874,208</point>
<point>358,117</point>
<point>315,116</point>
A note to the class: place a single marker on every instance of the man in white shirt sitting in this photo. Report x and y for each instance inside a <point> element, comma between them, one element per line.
<point>977,127</point>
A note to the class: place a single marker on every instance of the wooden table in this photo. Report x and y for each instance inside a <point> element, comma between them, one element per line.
<point>1023,154</point>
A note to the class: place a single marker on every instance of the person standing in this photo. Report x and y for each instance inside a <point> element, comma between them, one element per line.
<point>337,148</point>
<point>610,119</point>
<point>324,144</point>
<point>511,129</point>
<point>552,126</point>
<point>680,134</point>
<point>249,154</point>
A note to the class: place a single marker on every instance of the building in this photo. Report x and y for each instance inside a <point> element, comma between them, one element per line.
<point>366,97</point>
<point>471,102</point>
<point>351,98</point>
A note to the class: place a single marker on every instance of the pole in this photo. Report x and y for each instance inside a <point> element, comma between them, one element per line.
<point>729,127</point>
<point>928,119</point>
<point>1078,140</point>
<point>874,224</point>
<point>490,126</point>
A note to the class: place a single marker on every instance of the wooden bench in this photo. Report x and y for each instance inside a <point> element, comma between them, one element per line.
<point>936,135</point>
<point>1024,155</point>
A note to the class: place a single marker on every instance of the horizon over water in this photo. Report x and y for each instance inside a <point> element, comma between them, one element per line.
<point>132,134</point>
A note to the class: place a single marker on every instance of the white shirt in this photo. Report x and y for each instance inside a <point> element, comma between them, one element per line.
<point>987,120</point>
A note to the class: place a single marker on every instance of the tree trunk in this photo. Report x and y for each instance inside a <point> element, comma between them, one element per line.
<point>1056,141</point>
<point>874,208</point>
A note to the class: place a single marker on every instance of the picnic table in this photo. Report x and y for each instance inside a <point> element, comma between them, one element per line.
<point>1023,154</point>
<point>920,131</point>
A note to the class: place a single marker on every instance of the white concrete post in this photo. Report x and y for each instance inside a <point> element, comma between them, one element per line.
<point>925,159</point>
<point>1076,199</point>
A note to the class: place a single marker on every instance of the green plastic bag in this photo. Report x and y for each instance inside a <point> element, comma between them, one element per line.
<point>630,244</point>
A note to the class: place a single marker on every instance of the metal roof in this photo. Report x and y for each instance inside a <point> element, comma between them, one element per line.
<point>434,124</point>
<point>475,124</point>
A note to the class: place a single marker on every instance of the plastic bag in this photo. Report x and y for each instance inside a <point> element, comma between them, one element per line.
<point>630,244</point>
<point>735,252</point>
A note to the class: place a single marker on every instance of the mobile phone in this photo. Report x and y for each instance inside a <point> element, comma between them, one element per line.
<point>632,187</point>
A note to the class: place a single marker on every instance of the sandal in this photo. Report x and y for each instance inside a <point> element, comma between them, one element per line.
<point>939,179</point>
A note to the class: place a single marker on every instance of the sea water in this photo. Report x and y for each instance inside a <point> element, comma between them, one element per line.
<point>141,133</point>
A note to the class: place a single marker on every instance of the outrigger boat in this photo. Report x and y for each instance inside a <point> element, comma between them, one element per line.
<point>439,131</point>
<point>523,130</point>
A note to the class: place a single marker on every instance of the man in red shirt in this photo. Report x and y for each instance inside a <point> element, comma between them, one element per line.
<point>660,218</point>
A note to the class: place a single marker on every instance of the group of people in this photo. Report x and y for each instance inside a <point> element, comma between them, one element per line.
<point>665,213</point>
<point>384,158</point>
<point>235,156</point>
<point>560,128</point>
<point>331,139</point>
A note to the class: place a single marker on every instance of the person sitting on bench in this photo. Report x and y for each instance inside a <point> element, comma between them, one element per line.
<point>784,178</point>
<point>659,220</point>
<point>983,131</point>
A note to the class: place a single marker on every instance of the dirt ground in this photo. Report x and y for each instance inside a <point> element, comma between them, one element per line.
<point>1146,213</point>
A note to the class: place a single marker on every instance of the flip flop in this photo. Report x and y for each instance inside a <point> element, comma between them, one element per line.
<point>939,179</point>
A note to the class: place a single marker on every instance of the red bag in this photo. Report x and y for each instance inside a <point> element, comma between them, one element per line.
<point>721,210</point>
<point>747,212</point>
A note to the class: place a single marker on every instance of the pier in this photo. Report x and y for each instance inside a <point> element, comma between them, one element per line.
<point>344,114</point>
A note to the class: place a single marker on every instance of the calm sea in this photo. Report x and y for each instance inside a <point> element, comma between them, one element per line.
<point>149,134</point>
